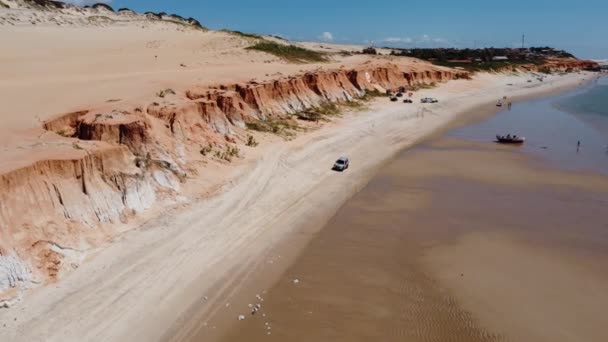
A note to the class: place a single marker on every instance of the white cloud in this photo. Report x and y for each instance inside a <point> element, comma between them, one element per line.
<point>397,40</point>
<point>423,40</point>
<point>86,2</point>
<point>327,36</point>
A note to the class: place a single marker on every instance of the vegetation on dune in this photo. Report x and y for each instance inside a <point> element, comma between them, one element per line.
<point>190,25</point>
<point>353,104</point>
<point>309,116</point>
<point>485,59</point>
<point>369,51</point>
<point>174,18</point>
<point>486,66</point>
<point>102,5</point>
<point>227,155</point>
<point>206,149</point>
<point>484,55</point>
<point>290,53</point>
<point>43,3</point>
<point>281,127</point>
<point>243,34</point>
<point>370,94</point>
<point>153,15</point>
<point>251,142</point>
<point>196,24</point>
<point>419,86</point>
<point>328,109</point>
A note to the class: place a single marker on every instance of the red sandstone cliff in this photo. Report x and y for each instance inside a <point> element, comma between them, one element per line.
<point>147,152</point>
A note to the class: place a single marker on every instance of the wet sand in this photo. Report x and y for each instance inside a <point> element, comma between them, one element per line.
<point>453,241</point>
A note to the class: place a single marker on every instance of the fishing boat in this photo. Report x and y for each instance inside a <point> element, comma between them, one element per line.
<point>510,139</point>
<point>499,104</point>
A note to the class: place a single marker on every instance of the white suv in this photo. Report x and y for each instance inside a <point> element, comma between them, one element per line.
<point>429,100</point>
<point>341,164</point>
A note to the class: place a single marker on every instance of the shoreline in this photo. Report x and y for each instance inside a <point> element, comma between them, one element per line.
<point>288,250</point>
<point>157,270</point>
<point>412,251</point>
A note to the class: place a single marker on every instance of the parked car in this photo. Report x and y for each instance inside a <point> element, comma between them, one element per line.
<point>394,98</point>
<point>429,100</point>
<point>408,101</point>
<point>341,164</point>
<point>399,94</point>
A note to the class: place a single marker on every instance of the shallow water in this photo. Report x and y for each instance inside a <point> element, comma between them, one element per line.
<point>553,126</point>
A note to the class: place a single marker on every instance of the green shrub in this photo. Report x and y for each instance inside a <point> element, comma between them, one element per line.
<point>243,34</point>
<point>251,141</point>
<point>233,151</point>
<point>279,127</point>
<point>370,94</point>
<point>290,53</point>
<point>355,105</point>
<point>206,150</point>
<point>309,116</point>
<point>327,108</point>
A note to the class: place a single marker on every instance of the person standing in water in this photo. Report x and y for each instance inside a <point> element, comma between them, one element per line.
<point>509,105</point>
<point>578,146</point>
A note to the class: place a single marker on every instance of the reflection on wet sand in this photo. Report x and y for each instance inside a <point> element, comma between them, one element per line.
<point>453,241</point>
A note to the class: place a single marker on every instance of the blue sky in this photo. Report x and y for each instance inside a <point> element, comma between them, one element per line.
<point>576,25</point>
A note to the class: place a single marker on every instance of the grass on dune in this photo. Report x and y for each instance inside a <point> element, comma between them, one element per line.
<point>291,53</point>
<point>243,34</point>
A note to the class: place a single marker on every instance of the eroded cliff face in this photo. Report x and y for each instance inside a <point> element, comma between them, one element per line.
<point>54,211</point>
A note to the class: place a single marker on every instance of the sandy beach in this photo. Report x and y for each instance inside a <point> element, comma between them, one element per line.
<point>139,233</point>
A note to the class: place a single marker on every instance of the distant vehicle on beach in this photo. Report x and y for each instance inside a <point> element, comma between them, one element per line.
<point>394,99</point>
<point>341,164</point>
<point>408,101</point>
<point>510,139</point>
<point>399,94</point>
<point>429,100</point>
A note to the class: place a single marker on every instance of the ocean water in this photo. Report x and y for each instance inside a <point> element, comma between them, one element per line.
<point>589,104</point>
<point>554,125</point>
